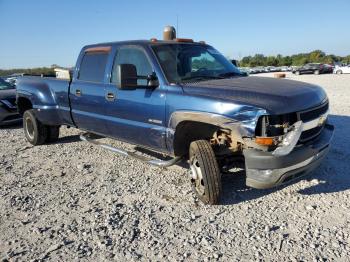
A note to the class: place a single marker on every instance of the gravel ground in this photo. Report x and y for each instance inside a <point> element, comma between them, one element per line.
<point>72,201</point>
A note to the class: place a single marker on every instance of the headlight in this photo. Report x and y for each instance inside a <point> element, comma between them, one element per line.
<point>290,140</point>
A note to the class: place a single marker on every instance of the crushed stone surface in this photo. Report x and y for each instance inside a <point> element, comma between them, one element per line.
<point>73,201</point>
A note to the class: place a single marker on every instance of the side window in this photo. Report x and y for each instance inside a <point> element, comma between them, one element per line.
<point>135,56</point>
<point>92,67</point>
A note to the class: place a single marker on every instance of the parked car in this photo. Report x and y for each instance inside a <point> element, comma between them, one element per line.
<point>345,69</point>
<point>252,70</point>
<point>313,68</point>
<point>8,108</point>
<point>272,69</point>
<point>163,96</point>
<point>12,79</point>
<point>286,69</point>
<point>260,69</point>
<point>244,70</point>
<point>329,68</point>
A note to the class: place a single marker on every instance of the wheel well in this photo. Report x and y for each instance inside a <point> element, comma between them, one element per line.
<point>188,131</point>
<point>23,105</point>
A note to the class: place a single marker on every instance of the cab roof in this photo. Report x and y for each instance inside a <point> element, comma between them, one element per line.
<point>144,43</point>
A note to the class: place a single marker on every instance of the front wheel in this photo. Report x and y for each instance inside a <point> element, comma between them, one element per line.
<point>34,131</point>
<point>317,72</point>
<point>205,172</point>
<point>339,72</point>
<point>297,73</point>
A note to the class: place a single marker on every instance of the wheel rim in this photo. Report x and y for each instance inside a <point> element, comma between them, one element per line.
<point>197,177</point>
<point>29,128</point>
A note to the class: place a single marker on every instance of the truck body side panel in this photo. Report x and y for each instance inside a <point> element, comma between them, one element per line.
<point>136,116</point>
<point>49,97</point>
<point>88,108</point>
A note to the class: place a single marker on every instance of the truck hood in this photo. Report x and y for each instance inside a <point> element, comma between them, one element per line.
<point>277,96</point>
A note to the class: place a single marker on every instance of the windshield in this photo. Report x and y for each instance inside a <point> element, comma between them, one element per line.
<point>184,63</point>
<point>4,85</point>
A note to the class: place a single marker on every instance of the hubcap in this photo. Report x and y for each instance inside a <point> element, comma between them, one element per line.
<point>197,177</point>
<point>29,128</point>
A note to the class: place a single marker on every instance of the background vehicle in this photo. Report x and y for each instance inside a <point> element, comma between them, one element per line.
<point>8,108</point>
<point>12,79</point>
<point>313,68</point>
<point>185,100</point>
<point>342,69</point>
<point>272,69</point>
<point>286,69</point>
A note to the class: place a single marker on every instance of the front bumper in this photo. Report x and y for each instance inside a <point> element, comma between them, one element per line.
<point>265,170</point>
<point>8,117</point>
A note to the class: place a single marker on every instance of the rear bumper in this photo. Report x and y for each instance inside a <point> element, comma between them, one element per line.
<point>8,117</point>
<point>265,170</point>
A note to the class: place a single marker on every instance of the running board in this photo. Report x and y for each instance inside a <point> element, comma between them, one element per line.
<point>154,162</point>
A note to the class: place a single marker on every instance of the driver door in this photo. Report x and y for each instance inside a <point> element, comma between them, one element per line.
<point>136,116</point>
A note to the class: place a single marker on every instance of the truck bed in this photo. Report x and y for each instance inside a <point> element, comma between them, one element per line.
<point>50,96</point>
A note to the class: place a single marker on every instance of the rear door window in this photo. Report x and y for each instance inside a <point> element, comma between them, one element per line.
<point>92,67</point>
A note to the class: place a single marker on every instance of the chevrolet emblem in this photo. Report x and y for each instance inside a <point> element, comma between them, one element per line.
<point>321,120</point>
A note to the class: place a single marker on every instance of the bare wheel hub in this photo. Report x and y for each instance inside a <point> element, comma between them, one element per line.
<point>197,177</point>
<point>29,128</point>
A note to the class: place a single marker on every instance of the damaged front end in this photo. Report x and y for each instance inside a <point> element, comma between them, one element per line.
<point>286,146</point>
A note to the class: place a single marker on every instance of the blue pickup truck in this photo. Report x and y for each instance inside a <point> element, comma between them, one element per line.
<point>185,100</point>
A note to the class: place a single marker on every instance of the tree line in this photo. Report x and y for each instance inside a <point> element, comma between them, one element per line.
<point>45,71</point>
<point>316,56</point>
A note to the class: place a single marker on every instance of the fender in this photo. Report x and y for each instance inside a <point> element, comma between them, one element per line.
<point>242,124</point>
<point>39,93</point>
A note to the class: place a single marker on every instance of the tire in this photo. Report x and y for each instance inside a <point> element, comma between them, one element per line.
<point>297,73</point>
<point>317,72</point>
<point>53,133</point>
<point>339,72</point>
<point>206,176</point>
<point>34,131</point>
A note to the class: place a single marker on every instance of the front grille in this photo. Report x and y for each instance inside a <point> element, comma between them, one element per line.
<point>313,113</point>
<point>309,115</point>
<point>311,133</point>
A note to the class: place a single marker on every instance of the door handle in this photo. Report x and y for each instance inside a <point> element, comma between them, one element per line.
<point>110,97</point>
<point>78,92</point>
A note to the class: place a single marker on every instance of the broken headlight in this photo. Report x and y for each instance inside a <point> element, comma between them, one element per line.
<point>277,132</point>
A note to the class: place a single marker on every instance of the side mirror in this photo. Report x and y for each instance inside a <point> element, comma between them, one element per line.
<point>127,78</point>
<point>152,81</point>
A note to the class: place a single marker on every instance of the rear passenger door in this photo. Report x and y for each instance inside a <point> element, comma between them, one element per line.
<point>87,92</point>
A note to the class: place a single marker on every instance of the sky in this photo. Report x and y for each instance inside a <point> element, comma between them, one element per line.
<point>44,32</point>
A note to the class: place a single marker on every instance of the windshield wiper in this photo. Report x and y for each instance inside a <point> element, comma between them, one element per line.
<point>201,78</point>
<point>229,74</point>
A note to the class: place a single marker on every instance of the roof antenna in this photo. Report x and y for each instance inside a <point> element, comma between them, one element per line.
<point>177,24</point>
